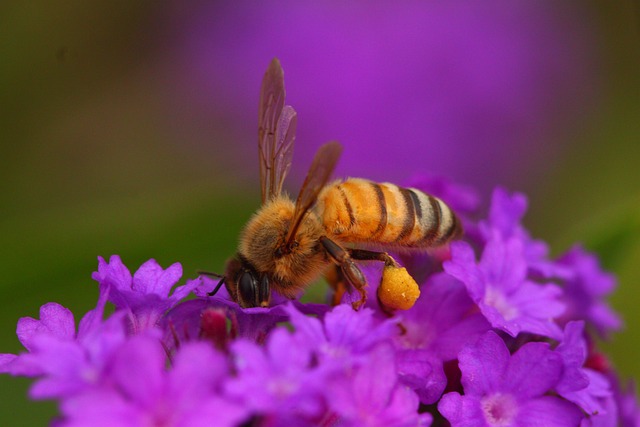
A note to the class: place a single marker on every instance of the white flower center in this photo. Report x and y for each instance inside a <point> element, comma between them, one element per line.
<point>496,298</point>
<point>499,409</point>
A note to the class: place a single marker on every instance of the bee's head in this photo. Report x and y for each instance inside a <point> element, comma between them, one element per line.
<point>245,285</point>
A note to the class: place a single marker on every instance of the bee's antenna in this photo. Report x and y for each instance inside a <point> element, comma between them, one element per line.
<point>209,273</point>
<point>217,288</point>
<point>220,283</point>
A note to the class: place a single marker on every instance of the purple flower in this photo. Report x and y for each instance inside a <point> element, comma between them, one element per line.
<point>440,324</point>
<point>627,403</point>
<point>65,363</point>
<point>207,361</point>
<point>145,296</point>
<point>443,320</point>
<point>183,322</point>
<point>586,289</point>
<point>505,216</point>
<point>277,381</point>
<point>508,390</point>
<point>585,387</point>
<point>498,284</point>
<point>143,392</point>
<point>453,87</point>
<point>344,336</point>
<point>371,395</point>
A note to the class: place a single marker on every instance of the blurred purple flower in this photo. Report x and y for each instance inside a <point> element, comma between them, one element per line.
<point>583,386</point>
<point>447,84</point>
<point>372,396</point>
<point>500,287</point>
<point>143,392</point>
<point>586,289</point>
<point>65,362</point>
<point>508,390</point>
<point>145,296</point>
<point>279,380</point>
<point>627,404</point>
<point>505,216</point>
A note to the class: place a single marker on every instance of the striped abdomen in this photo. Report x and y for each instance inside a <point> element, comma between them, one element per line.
<point>357,210</point>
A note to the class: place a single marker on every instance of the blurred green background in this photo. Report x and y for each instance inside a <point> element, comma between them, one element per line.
<point>90,165</point>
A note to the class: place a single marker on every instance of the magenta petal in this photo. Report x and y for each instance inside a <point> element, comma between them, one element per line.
<point>138,368</point>
<point>502,262</point>
<point>484,364</point>
<point>279,345</point>
<point>356,329</point>
<point>533,370</point>
<point>64,365</point>
<point>423,373</point>
<point>506,210</point>
<point>310,329</point>
<point>91,321</point>
<point>369,390</point>
<point>151,278</point>
<point>100,408</point>
<point>114,273</point>
<point>463,267</point>
<point>548,411</point>
<point>55,320</point>
<point>540,301</point>
<point>448,344</point>
<point>214,411</point>
<point>5,362</point>
<point>197,370</point>
<point>461,411</point>
<point>591,398</point>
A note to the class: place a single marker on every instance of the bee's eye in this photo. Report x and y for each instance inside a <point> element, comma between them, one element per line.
<point>264,292</point>
<point>248,289</point>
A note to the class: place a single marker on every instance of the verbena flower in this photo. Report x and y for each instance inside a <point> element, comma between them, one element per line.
<point>502,335</point>
<point>498,283</point>
<point>585,387</point>
<point>502,389</point>
<point>585,290</point>
<point>145,296</point>
<point>142,392</point>
<point>505,216</point>
<point>434,331</point>
<point>64,362</point>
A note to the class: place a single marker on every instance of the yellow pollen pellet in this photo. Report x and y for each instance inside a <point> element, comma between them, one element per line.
<point>397,290</point>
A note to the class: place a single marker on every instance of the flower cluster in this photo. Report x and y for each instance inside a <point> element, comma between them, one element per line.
<point>502,335</point>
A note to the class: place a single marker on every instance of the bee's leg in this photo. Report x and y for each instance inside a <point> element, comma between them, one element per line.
<point>365,255</point>
<point>337,282</point>
<point>397,290</point>
<point>348,268</point>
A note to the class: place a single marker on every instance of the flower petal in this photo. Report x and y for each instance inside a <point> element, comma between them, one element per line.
<point>55,320</point>
<point>548,411</point>
<point>484,365</point>
<point>533,370</point>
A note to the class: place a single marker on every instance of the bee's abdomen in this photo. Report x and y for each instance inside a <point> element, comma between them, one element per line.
<point>357,210</point>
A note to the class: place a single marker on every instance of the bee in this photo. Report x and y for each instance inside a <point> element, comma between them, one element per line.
<point>287,245</point>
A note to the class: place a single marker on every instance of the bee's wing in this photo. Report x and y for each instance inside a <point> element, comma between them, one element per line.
<point>276,132</point>
<point>319,173</point>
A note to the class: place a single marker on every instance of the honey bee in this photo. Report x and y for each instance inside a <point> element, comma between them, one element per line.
<point>285,246</point>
